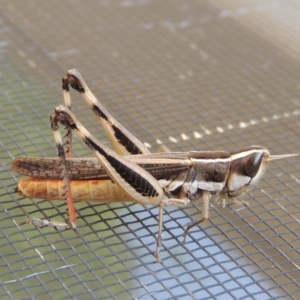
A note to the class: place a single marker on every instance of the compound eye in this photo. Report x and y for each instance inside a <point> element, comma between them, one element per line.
<point>252,163</point>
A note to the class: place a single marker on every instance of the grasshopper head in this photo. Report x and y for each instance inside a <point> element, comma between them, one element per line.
<point>247,167</point>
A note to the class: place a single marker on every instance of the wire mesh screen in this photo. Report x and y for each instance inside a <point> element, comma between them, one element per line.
<point>192,75</point>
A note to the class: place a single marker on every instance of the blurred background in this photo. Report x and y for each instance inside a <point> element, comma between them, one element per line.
<point>192,75</point>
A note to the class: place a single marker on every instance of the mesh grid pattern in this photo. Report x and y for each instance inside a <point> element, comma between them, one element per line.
<point>193,75</point>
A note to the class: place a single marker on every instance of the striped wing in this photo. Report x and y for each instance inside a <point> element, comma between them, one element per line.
<point>159,165</point>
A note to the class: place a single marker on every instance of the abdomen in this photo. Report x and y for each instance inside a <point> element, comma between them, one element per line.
<point>82,190</point>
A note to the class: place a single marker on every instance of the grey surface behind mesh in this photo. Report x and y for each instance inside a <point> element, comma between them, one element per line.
<point>193,75</point>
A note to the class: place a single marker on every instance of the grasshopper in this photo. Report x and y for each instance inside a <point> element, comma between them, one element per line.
<point>132,172</point>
